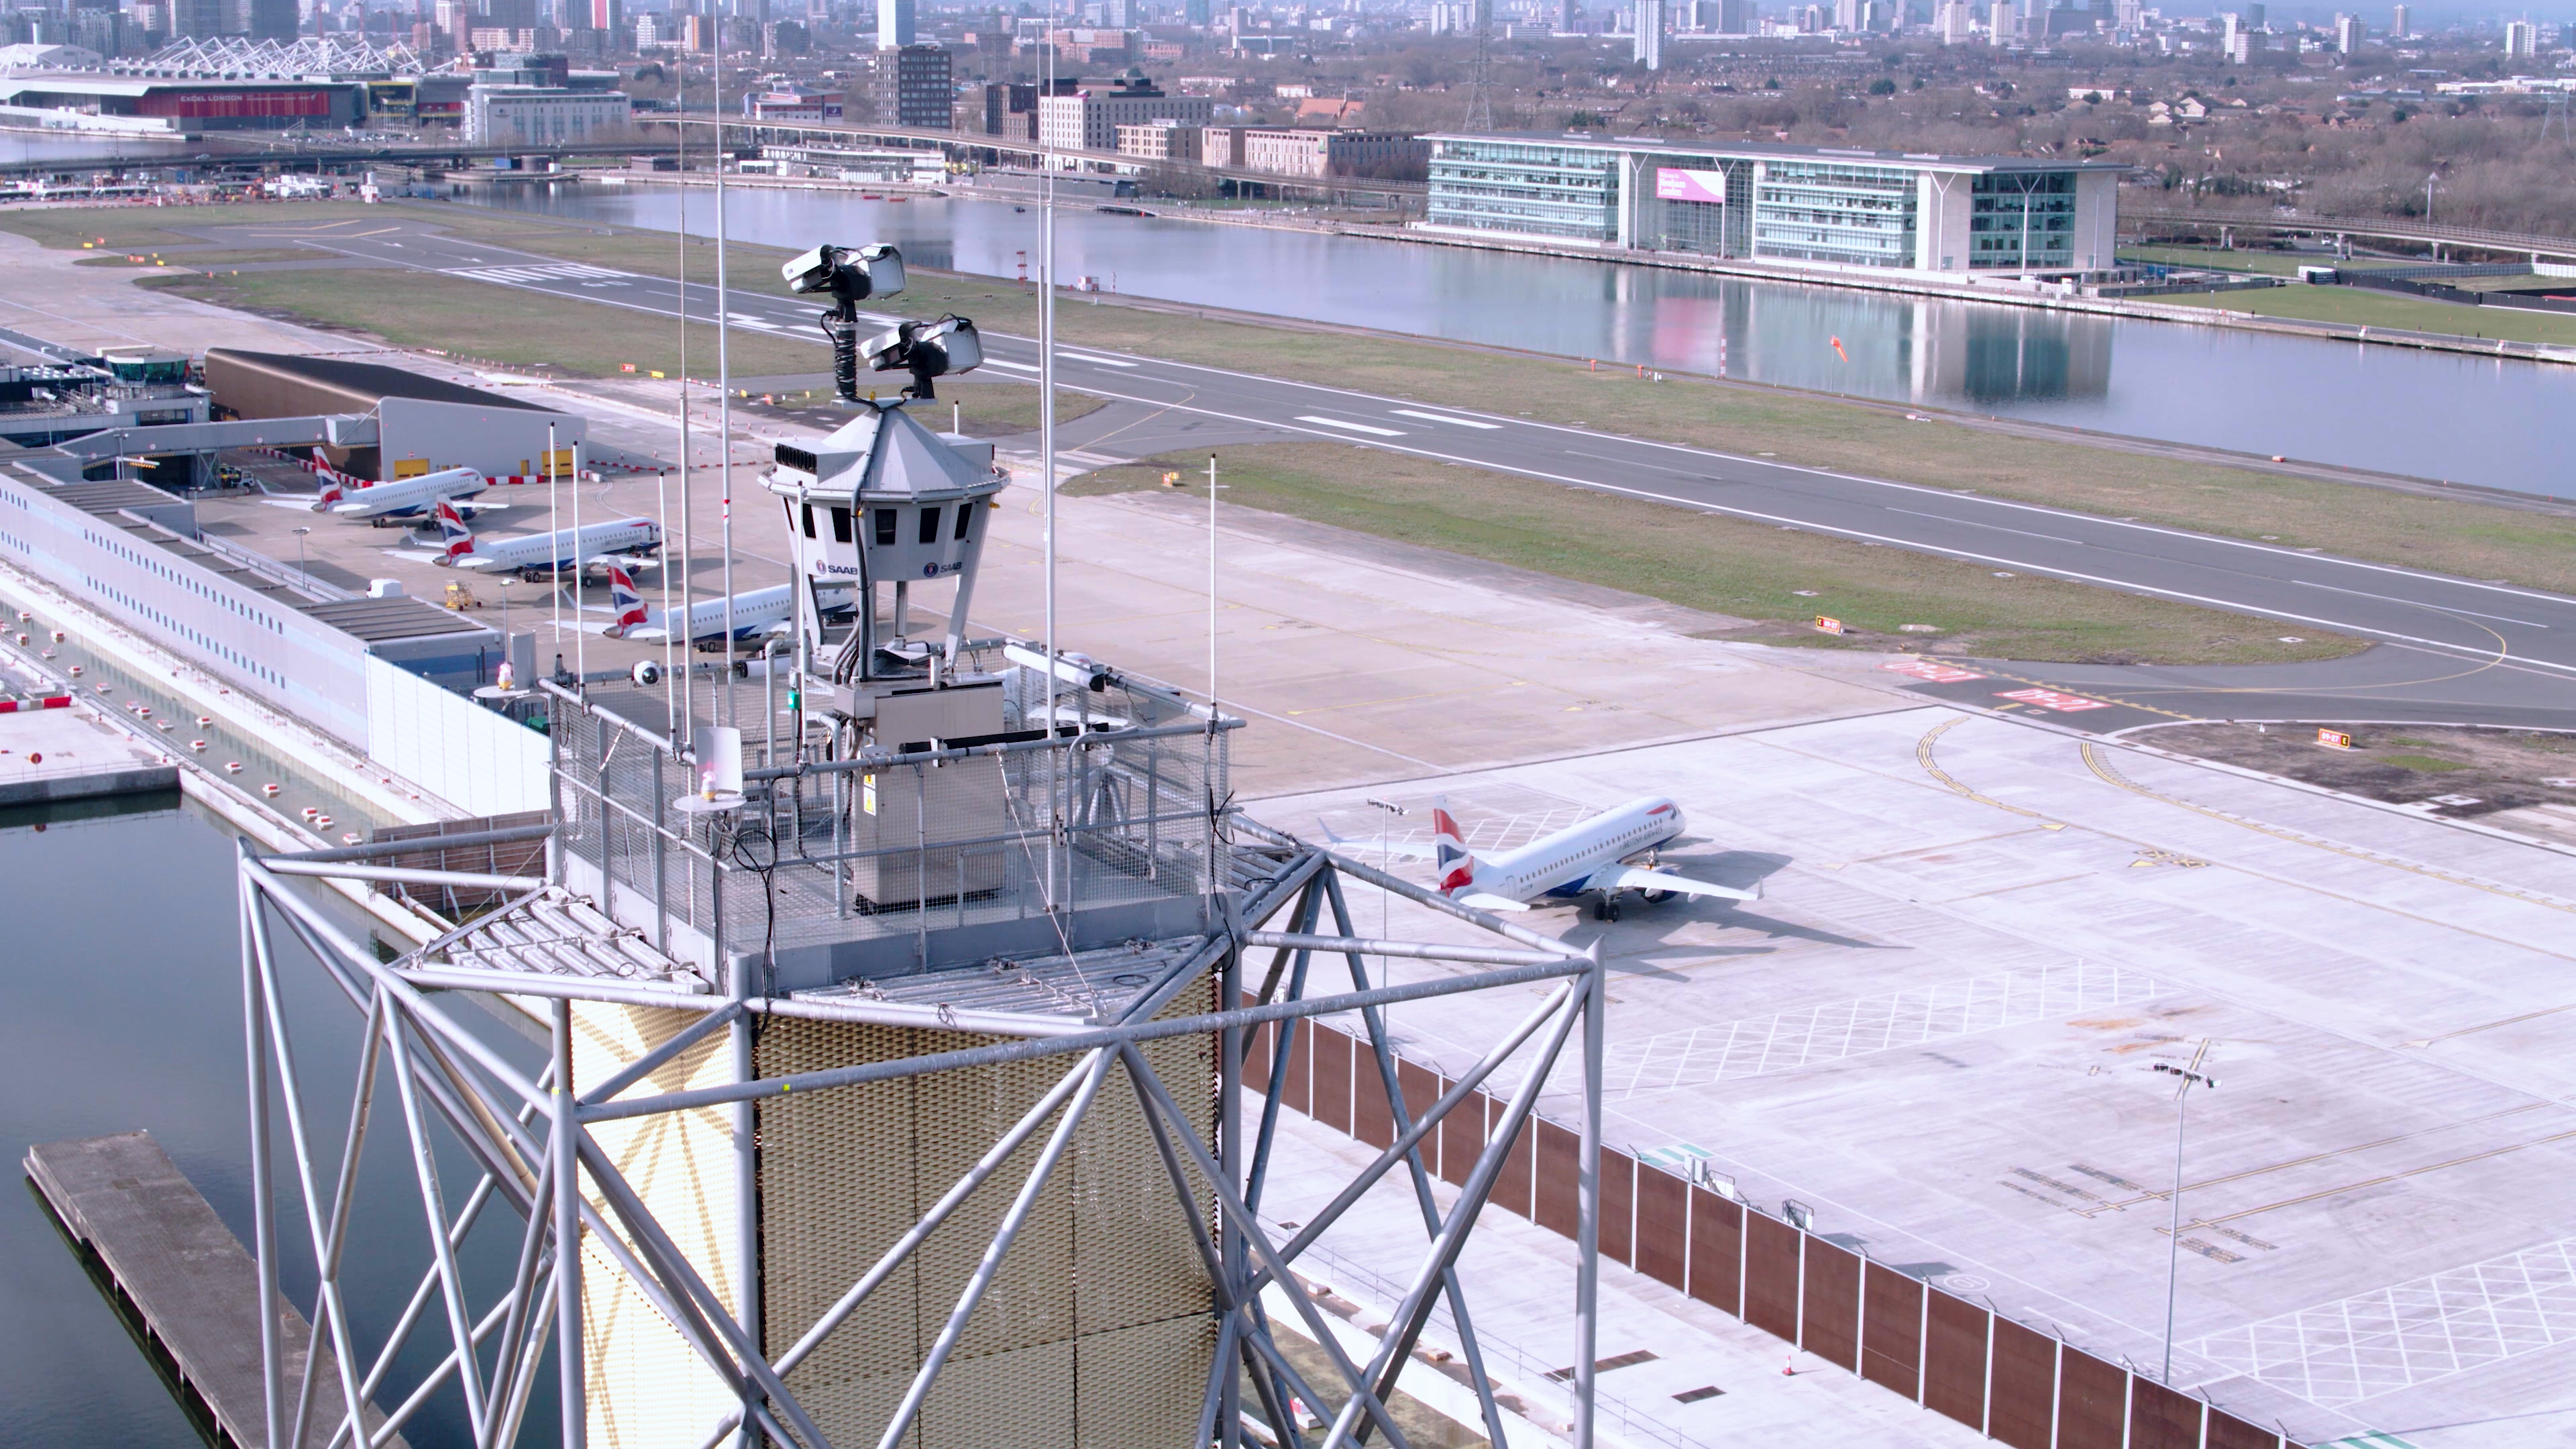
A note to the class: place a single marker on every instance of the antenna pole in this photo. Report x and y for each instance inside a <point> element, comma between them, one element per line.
<point>1046,406</point>
<point>724,381</point>
<point>554,538</point>
<point>684,730</point>
<point>670,686</point>
<point>580,576</point>
<point>1212,604</point>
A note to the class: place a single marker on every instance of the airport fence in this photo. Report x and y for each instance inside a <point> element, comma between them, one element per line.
<point>2017,1385</point>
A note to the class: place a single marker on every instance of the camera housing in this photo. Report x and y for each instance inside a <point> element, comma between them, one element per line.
<point>850,274</point>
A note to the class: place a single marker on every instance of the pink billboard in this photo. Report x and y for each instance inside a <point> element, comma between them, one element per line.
<point>1673,184</point>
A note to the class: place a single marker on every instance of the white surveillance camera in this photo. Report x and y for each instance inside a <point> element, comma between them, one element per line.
<point>813,271</point>
<point>884,268</point>
<point>646,673</point>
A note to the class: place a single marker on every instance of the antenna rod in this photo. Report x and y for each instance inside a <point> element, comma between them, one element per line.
<point>724,381</point>
<point>684,730</point>
<point>580,576</point>
<point>1046,411</point>
<point>1212,605</point>
<point>554,538</point>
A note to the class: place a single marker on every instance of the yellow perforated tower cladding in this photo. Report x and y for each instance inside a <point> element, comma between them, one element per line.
<point>1097,1330</point>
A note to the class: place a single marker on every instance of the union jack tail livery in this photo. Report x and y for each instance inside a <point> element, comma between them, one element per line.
<point>332,493</point>
<point>629,603</point>
<point>459,539</point>
<point>1454,864</point>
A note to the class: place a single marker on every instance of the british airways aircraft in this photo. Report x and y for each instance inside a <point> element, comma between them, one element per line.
<point>756,614</point>
<point>400,497</point>
<point>539,555</point>
<point>1590,858</point>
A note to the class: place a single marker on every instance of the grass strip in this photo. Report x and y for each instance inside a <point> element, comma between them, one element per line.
<point>2364,308</point>
<point>2445,535</point>
<point>1780,579</point>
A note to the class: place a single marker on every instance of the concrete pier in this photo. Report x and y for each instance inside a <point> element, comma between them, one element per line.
<point>184,1276</point>
<point>66,753</point>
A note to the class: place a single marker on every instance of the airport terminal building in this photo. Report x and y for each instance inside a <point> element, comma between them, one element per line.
<point>1823,207</point>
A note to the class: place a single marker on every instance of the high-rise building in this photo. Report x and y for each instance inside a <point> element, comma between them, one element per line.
<point>2398,29</point>
<point>894,24</point>
<point>2348,33</point>
<point>1647,48</point>
<point>1955,23</point>
<point>2521,37</point>
<point>1847,15</point>
<point>2003,22</point>
<point>913,86</point>
<point>1196,13</point>
<point>2253,14</point>
<point>1737,17</point>
<point>197,18</point>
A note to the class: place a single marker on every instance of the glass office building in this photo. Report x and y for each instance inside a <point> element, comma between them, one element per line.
<point>1816,207</point>
<point>1526,188</point>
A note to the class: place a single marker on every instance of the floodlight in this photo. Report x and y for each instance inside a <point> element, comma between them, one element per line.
<point>927,350</point>
<point>851,276</point>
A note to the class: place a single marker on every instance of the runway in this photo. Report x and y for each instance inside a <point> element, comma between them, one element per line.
<point>2451,649</point>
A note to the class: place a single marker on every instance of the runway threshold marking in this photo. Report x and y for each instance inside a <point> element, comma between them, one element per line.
<point>1354,427</point>
<point>1445,418</point>
<point>2110,775</point>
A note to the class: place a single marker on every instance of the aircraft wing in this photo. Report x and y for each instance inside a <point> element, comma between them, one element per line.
<point>1638,878</point>
<point>1486,902</point>
<point>627,561</point>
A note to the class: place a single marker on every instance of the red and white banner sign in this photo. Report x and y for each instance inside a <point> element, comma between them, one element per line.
<point>1925,669</point>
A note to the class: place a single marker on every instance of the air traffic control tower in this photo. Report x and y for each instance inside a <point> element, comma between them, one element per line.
<point>896,1089</point>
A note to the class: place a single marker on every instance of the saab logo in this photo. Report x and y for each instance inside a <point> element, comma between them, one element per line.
<point>934,570</point>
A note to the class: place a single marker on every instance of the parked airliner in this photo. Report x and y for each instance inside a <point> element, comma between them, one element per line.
<point>399,497</point>
<point>1590,858</point>
<point>539,555</point>
<point>755,614</point>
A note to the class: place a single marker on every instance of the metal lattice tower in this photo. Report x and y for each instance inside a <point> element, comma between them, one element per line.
<point>1480,76</point>
<point>929,1124</point>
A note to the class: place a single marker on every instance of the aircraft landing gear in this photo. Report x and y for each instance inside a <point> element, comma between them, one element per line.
<point>1606,908</point>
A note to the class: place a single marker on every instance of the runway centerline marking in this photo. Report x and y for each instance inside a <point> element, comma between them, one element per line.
<point>1444,418</point>
<point>1993,527</point>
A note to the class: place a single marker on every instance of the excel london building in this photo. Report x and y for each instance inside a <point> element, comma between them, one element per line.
<point>1802,206</point>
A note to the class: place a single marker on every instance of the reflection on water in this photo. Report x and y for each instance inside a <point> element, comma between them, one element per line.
<point>121,963</point>
<point>2436,415</point>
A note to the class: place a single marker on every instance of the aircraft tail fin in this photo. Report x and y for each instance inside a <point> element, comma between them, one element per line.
<point>626,600</point>
<point>452,532</point>
<point>1454,864</point>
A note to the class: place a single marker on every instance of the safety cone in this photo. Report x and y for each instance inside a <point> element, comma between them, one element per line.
<point>1789,1365</point>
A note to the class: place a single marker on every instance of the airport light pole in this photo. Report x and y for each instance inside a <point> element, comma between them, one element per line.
<point>2173,1247</point>
<point>1387,811</point>
<point>299,552</point>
